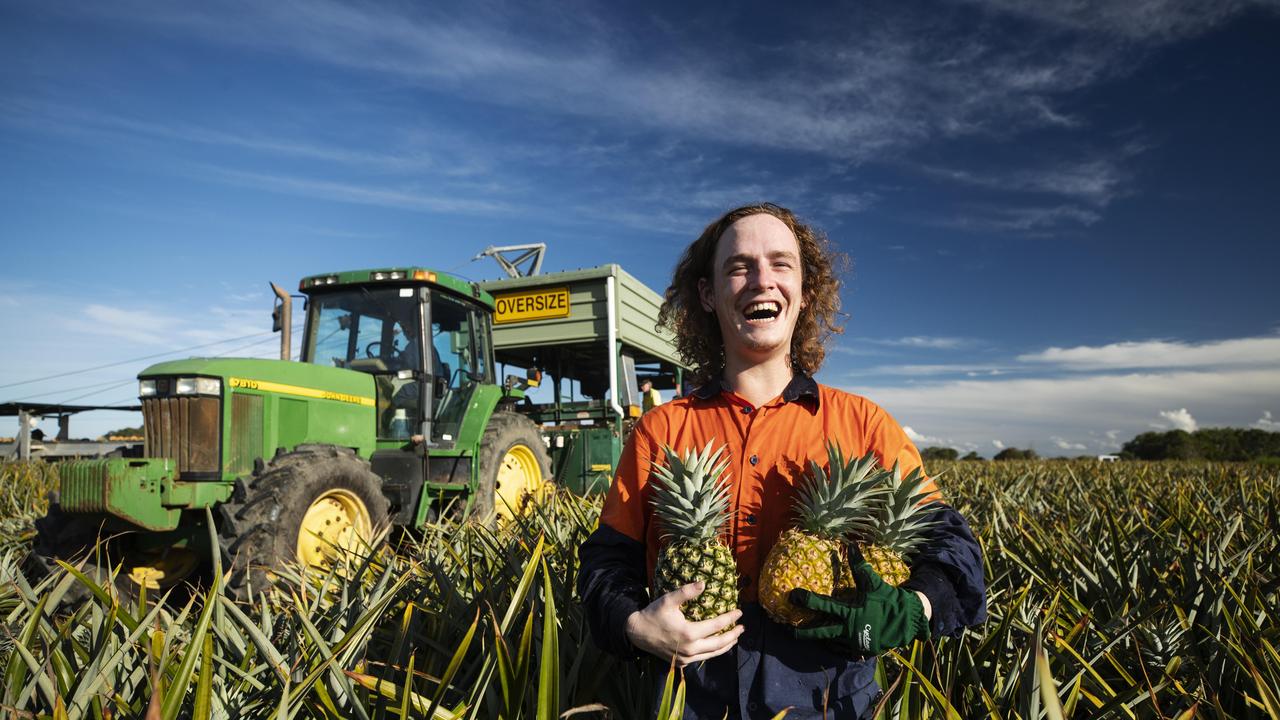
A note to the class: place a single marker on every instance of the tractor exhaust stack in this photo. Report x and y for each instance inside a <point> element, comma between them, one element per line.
<point>282,319</point>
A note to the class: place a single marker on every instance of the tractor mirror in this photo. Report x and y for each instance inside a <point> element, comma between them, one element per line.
<point>277,321</point>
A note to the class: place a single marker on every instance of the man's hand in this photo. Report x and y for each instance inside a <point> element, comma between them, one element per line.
<point>881,618</point>
<point>661,629</point>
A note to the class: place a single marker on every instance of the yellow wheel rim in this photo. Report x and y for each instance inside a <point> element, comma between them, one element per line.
<point>337,521</point>
<point>518,477</point>
<point>162,569</point>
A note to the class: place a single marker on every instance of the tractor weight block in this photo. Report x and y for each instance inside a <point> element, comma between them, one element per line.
<point>130,489</point>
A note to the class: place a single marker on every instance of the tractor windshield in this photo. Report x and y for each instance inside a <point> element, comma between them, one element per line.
<point>372,330</point>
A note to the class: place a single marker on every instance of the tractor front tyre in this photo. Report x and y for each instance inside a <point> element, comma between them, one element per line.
<point>513,466</point>
<point>306,507</point>
<point>69,537</point>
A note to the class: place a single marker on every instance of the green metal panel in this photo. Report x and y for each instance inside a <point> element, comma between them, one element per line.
<point>584,458</point>
<point>246,433</point>
<point>142,492</point>
<point>127,488</point>
<point>340,405</point>
<point>635,305</point>
<point>483,402</point>
<point>293,424</point>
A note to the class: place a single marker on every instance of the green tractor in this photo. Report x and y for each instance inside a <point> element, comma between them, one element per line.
<point>395,414</point>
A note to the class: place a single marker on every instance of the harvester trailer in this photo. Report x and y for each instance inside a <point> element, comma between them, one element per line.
<point>394,413</point>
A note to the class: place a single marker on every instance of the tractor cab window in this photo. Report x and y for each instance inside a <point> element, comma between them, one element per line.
<point>455,365</point>
<point>372,331</point>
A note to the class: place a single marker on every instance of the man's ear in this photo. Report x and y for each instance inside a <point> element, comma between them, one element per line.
<point>706,293</point>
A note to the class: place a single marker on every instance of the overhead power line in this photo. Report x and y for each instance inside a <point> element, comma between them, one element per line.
<point>133,360</point>
<point>95,392</point>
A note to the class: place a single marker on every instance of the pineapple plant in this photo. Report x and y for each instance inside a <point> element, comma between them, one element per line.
<point>814,554</point>
<point>691,505</point>
<point>900,525</point>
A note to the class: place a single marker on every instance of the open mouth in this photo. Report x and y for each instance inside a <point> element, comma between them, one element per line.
<point>765,311</point>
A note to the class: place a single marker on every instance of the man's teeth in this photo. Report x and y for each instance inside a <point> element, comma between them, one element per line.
<point>762,310</point>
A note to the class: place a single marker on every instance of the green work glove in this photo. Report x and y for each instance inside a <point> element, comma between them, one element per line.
<point>881,617</point>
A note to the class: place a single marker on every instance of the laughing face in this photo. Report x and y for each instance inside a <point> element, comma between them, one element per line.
<point>755,289</point>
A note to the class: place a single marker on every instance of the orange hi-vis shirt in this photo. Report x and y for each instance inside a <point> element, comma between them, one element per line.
<point>769,449</point>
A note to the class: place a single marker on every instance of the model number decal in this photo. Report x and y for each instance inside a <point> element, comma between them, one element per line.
<point>268,386</point>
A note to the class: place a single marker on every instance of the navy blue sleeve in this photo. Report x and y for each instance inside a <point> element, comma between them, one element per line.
<point>611,584</point>
<point>948,570</point>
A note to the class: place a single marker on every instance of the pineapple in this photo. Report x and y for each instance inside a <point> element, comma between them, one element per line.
<point>900,525</point>
<point>813,555</point>
<point>691,503</point>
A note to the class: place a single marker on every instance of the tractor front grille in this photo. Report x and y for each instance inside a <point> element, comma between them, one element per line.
<point>185,429</point>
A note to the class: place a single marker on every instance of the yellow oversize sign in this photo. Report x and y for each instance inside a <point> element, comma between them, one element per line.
<point>536,305</point>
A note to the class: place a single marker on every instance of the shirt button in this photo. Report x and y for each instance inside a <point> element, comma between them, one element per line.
<point>751,519</point>
<point>753,706</point>
<point>754,459</point>
<point>746,409</point>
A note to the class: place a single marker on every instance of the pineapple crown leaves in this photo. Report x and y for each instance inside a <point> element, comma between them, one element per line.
<point>903,520</point>
<point>691,493</point>
<point>844,502</point>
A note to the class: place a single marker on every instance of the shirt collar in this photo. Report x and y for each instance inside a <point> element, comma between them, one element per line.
<point>801,386</point>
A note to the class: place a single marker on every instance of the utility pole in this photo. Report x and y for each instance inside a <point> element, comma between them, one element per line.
<point>24,435</point>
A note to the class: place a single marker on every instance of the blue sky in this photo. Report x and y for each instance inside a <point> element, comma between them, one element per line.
<point>1061,215</point>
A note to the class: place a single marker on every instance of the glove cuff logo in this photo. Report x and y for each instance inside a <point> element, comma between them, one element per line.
<point>866,636</point>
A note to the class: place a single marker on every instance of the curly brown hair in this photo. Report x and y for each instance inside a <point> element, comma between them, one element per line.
<point>697,332</point>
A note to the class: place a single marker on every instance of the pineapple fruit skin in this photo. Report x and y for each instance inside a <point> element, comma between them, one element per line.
<point>801,560</point>
<point>888,564</point>
<point>707,561</point>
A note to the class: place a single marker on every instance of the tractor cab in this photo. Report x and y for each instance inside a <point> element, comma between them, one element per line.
<point>426,345</point>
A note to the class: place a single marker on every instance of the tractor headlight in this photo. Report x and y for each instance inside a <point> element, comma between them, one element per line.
<point>146,388</point>
<point>199,386</point>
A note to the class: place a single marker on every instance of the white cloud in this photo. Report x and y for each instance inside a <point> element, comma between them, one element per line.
<point>933,370</point>
<point>844,93</point>
<point>922,440</point>
<point>1180,419</point>
<point>919,341</point>
<point>1067,445</point>
<point>1032,220</point>
<point>405,199</point>
<point>997,444</point>
<point>140,326</point>
<point>1148,20</point>
<point>1096,181</point>
<point>845,203</point>
<point>1266,423</point>
<point>1242,352</point>
<point>1029,412</point>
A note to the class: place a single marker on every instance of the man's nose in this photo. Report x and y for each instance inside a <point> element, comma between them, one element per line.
<point>763,276</point>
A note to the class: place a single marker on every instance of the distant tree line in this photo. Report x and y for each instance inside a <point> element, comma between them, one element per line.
<point>1220,444</point>
<point>1206,444</point>
<point>946,453</point>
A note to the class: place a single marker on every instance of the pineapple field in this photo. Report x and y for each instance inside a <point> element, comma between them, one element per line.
<point>1117,590</point>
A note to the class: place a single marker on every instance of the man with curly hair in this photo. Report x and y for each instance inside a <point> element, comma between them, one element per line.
<point>751,303</point>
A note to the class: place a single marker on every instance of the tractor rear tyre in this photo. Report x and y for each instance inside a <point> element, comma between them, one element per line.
<point>513,466</point>
<point>306,507</point>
